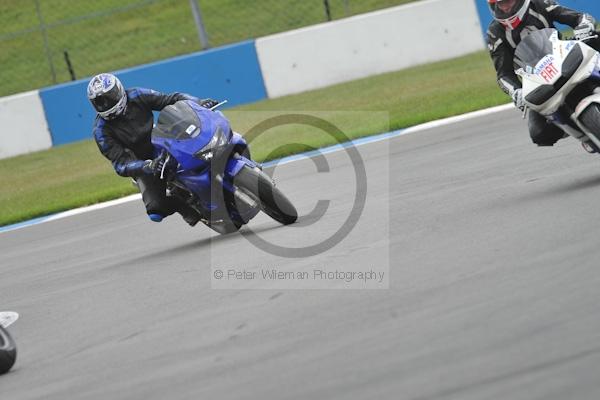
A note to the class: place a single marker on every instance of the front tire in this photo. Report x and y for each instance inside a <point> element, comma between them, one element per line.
<point>273,202</point>
<point>8,351</point>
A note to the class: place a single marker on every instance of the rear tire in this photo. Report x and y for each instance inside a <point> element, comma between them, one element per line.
<point>273,202</point>
<point>8,351</point>
<point>590,118</point>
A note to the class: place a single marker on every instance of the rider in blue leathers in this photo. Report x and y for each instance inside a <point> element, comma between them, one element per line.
<point>122,131</point>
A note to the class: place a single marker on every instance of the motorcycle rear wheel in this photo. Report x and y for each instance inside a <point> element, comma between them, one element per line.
<point>8,351</point>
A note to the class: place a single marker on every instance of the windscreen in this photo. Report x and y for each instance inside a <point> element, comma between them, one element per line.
<point>178,121</point>
<point>533,48</point>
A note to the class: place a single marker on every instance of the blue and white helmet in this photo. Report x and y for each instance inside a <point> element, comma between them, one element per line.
<point>107,95</point>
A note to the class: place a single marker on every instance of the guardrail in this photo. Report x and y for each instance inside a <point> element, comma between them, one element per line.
<point>368,44</point>
<point>24,127</point>
<point>230,72</point>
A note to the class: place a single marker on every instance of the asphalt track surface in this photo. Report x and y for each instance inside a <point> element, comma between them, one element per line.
<point>494,290</point>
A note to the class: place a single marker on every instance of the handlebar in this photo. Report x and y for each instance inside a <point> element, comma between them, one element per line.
<point>591,37</point>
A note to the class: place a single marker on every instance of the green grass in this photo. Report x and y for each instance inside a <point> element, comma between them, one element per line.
<point>106,35</point>
<point>76,174</point>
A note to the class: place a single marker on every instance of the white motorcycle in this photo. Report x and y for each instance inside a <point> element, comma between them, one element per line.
<point>561,81</point>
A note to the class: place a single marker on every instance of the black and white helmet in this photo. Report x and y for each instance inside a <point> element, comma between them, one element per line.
<point>509,13</point>
<point>107,95</point>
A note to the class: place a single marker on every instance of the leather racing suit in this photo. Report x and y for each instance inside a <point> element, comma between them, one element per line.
<point>126,142</point>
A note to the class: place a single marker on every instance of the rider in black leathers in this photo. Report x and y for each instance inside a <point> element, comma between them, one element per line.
<point>513,20</point>
<point>122,131</point>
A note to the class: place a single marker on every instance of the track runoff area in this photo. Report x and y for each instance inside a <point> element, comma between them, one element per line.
<point>486,243</point>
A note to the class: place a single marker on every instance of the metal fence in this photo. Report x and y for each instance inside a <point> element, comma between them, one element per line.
<point>44,42</point>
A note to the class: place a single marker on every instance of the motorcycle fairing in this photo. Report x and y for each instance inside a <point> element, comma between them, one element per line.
<point>548,78</point>
<point>184,130</point>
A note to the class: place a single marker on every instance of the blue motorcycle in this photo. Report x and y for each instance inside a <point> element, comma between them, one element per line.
<point>208,166</point>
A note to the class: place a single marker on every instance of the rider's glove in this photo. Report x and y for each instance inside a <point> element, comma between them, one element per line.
<point>517,98</point>
<point>585,29</point>
<point>208,103</point>
<point>153,167</point>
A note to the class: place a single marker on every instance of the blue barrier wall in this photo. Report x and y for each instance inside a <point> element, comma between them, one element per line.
<point>230,72</point>
<point>588,6</point>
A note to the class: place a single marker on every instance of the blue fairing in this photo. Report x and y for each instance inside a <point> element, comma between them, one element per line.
<point>238,140</point>
<point>186,129</point>
<point>199,184</point>
<point>235,165</point>
<point>182,145</point>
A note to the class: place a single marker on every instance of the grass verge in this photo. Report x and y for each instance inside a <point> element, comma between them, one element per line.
<point>107,35</point>
<point>76,174</point>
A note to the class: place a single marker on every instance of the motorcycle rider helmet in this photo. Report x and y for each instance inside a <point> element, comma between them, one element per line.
<point>509,13</point>
<point>107,95</point>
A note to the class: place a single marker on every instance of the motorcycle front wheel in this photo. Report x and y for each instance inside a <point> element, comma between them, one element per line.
<point>273,202</point>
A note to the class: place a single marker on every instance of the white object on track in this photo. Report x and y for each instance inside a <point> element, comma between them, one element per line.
<point>7,318</point>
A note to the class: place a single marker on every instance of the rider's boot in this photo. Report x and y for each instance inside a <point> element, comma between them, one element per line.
<point>154,217</point>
